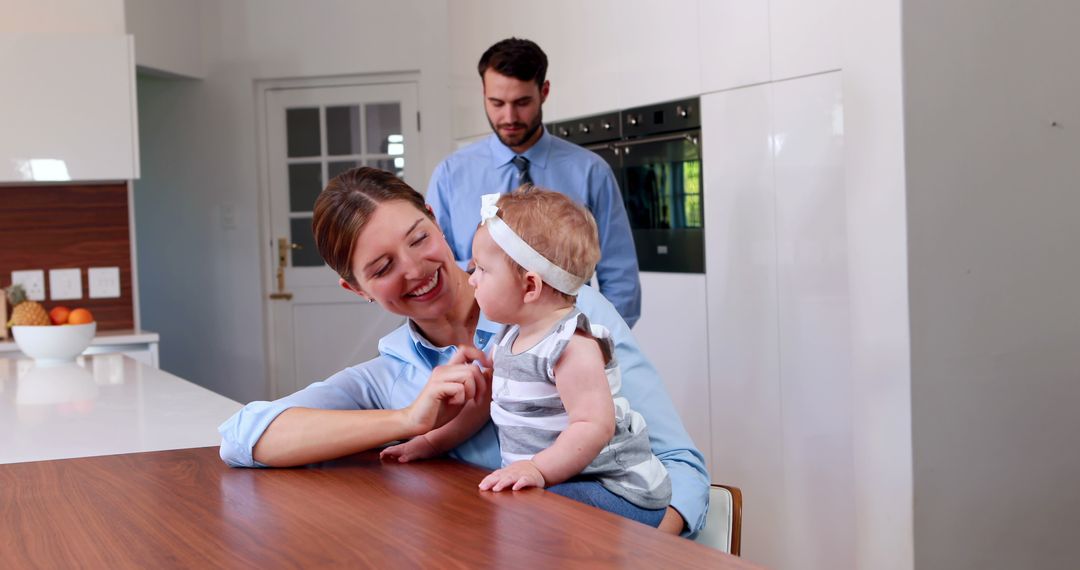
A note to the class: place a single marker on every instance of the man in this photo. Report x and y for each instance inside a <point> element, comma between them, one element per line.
<point>513,74</point>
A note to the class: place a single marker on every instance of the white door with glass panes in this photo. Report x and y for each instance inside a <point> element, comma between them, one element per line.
<point>312,134</point>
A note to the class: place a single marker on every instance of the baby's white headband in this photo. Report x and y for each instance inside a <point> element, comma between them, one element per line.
<point>522,252</point>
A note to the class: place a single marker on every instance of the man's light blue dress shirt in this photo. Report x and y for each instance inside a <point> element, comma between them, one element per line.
<point>485,167</point>
<point>395,378</point>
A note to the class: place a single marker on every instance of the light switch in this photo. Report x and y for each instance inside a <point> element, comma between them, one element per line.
<point>65,284</point>
<point>33,281</point>
<point>104,282</point>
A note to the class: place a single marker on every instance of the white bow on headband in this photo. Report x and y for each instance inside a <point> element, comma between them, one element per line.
<point>522,252</point>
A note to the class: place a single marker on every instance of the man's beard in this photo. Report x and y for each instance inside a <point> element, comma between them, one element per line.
<point>525,136</point>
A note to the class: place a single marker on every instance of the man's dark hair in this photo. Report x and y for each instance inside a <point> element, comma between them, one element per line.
<point>521,59</point>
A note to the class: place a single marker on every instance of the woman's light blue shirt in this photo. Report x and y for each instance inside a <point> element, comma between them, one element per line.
<point>395,378</point>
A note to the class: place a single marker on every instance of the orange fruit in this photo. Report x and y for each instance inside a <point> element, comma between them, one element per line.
<point>80,317</point>
<point>59,315</point>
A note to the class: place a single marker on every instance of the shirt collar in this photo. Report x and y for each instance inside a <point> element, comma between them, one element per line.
<point>501,155</point>
<point>486,329</point>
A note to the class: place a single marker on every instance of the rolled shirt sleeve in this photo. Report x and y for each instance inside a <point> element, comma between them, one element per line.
<point>361,387</point>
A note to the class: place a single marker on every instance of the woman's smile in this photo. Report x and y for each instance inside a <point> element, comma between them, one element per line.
<point>428,289</point>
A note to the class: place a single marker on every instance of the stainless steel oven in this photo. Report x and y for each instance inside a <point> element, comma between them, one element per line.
<point>655,152</point>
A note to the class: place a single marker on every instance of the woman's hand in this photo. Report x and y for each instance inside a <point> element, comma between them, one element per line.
<point>415,449</point>
<point>516,476</point>
<point>449,388</point>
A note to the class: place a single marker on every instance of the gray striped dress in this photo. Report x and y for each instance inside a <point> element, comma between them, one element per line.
<point>529,414</point>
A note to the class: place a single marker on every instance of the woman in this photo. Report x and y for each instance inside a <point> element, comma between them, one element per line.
<point>378,235</point>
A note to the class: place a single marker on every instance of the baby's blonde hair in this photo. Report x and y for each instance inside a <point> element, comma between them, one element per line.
<point>556,227</point>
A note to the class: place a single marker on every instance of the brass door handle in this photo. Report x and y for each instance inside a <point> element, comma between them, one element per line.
<point>283,259</point>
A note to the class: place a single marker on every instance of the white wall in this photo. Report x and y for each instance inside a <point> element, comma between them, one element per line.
<point>63,16</point>
<point>995,322</point>
<point>201,281</point>
<point>166,29</point>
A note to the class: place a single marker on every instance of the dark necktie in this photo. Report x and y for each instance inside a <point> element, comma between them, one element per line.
<point>522,165</point>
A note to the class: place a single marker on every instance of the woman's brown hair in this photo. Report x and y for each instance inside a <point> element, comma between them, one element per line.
<point>345,206</point>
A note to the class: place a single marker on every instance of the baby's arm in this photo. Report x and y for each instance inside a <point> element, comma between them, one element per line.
<point>438,441</point>
<point>583,387</point>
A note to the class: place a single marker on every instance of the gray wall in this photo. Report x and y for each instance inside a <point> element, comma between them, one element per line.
<point>993,195</point>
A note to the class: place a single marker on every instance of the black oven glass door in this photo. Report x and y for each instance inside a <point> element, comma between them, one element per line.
<point>661,182</point>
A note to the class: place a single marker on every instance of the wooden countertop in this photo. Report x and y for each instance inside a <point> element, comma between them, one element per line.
<point>186,509</point>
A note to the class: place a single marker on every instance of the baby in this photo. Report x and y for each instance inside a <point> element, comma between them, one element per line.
<point>555,383</point>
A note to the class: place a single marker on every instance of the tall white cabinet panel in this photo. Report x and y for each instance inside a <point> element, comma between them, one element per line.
<point>672,332</point>
<point>805,36</point>
<point>734,44</point>
<point>778,317</point>
<point>578,39</point>
<point>67,108</point>
<point>813,319</point>
<point>740,266</point>
<point>659,52</point>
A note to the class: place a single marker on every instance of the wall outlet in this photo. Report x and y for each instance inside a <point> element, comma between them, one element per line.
<point>65,284</point>
<point>33,280</point>
<point>104,282</point>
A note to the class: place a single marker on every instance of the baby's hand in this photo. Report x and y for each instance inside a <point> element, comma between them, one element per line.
<point>516,476</point>
<point>413,450</point>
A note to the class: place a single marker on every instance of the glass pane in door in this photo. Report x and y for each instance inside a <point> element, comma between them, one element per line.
<point>307,255</point>
<point>389,165</point>
<point>305,183</point>
<point>384,129</point>
<point>343,130</point>
<point>302,132</point>
<point>335,167</point>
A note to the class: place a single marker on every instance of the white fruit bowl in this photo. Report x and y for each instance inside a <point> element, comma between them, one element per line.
<point>54,344</point>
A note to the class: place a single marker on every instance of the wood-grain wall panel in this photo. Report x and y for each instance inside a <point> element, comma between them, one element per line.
<point>63,227</point>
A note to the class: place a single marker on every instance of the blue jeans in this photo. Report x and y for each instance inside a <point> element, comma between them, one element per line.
<point>594,494</point>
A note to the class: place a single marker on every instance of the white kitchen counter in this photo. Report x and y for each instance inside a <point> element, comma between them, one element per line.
<point>101,405</point>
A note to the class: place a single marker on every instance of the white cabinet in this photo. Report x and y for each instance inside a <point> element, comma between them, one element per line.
<point>658,58</point>
<point>67,108</point>
<point>673,302</point>
<point>578,38</point>
<point>734,44</point>
<point>740,270</point>
<point>778,316</point>
<point>806,36</point>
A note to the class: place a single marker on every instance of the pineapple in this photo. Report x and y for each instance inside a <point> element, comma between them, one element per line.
<point>25,312</point>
